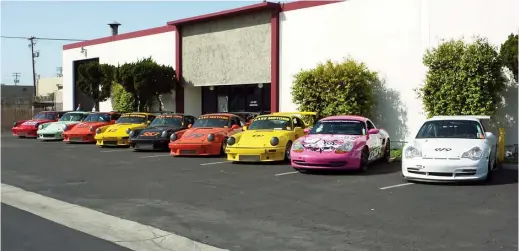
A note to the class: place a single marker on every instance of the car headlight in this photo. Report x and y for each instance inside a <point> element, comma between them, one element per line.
<point>36,125</point>
<point>91,128</point>
<point>64,127</point>
<point>173,137</point>
<point>297,146</point>
<point>164,134</point>
<point>131,134</point>
<point>346,147</point>
<point>474,154</point>
<point>128,131</point>
<point>274,141</point>
<point>412,152</point>
<point>40,127</point>
<point>98,130</point>
<point>231,141</point>
<point>15,124</point>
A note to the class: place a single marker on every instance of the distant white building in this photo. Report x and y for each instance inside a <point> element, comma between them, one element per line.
<point>244,59</point>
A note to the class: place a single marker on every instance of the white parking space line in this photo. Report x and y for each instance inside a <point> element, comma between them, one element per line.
<point>126,233</point>
<point>214,163</point>
<point>393,186</point>
<point>115,150</point>
<point>155,156</point>
<point>280,174</point>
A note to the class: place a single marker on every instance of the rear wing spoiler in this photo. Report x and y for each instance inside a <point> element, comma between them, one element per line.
<point>480,117</point>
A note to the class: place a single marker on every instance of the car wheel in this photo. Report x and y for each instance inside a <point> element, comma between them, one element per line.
<point>489,172</point>
<point>364,160</point>
<point>287,150</point>
<point>387,151</point>
<point>223,147</point>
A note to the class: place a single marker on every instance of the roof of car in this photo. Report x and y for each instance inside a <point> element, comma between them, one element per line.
<point>460,117</point>
<point>220,114</point>
<point>350,117</point>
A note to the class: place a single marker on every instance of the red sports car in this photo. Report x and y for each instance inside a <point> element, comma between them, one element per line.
<point>85,131</point>
<point>28,128</point>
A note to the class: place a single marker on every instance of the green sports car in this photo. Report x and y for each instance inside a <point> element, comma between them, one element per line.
<point>54,130</point>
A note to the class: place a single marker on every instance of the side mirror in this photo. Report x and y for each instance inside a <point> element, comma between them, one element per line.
<point>373,131</point>
<point>489,135</point>
<point>234,127</point>
<point>244,128</point>
<point>307,130</point>
<point>189,126</point>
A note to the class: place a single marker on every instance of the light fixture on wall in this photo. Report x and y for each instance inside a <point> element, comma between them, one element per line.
<point>83,51</point>
<point>211,88</point>
<point>260,85</point>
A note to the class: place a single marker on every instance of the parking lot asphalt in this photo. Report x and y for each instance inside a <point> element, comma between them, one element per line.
<point>269,206</point>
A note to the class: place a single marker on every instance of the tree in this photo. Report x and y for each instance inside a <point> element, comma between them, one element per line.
<point>122,100</point>
<point>336,88</point>
<point>95,80</point>
<point>146,80</point>
<point>462,79</point>
<point>508,54</point>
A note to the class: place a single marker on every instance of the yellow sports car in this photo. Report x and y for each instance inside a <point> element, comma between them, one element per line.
<point>118,133</point>
<point>268,138</point>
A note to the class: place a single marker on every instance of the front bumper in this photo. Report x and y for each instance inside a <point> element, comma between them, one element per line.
<point>186,149</point>
<point>255,154</point>
<point>150,144</point>
<point>79,137</point>
<point>45,135</point>
<point>444,170</point>
<point>326,161</point>
<point>111,141</point>
<point>25,132</point>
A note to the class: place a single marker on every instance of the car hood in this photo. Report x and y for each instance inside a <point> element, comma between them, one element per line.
<point>85,126</point>
<point>259,138</point>
<point>329,142</point>
<point>199,134</point>
<point>156,132</point>
<point>33,122</point>
<point>58,125</point>
<point>445,148</point>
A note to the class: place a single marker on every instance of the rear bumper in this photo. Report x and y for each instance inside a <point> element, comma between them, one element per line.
<point>194,149</point>
<point>25,132</point>
<point>79,137</point>
<point>256,154</point>
<point>149,144</point>
<point>444,170</point>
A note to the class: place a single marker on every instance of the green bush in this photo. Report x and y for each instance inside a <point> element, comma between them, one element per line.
<point>335,88</point>
<point>462,79</point>
<point>123,101</point>
<point>508,54</point>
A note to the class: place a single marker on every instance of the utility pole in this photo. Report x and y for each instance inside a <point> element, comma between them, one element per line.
<point>34,55</point>
<point>16,76</point>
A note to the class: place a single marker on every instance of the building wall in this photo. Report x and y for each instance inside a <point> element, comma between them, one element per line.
<point>227,51</point>
<point>48,85</point>
<point>161,47</point>
<point>391,38</point>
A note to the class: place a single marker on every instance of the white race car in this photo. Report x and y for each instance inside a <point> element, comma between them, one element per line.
<point>451,148</point>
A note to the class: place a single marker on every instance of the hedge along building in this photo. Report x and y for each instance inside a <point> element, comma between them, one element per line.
<point>224,58</point>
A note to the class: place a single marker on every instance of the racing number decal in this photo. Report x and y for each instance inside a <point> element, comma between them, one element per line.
<point>150,134</point>
<point>112,130</point>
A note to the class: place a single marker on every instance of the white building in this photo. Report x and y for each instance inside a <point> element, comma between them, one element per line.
<point>244,59</point>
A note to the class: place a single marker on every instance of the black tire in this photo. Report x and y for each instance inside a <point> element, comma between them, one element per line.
<point>223,147</point>
<point>387,151</point>
<point>489,172</point>
<point>364,160</point>
<point>287,150</point>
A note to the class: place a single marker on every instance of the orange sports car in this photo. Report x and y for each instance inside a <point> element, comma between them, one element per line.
<point>207,136</point>
<point>85,131</point>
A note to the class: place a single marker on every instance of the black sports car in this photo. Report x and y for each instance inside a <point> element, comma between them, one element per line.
<point>156,135</point>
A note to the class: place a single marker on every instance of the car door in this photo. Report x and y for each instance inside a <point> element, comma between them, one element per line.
<point>374,141</point>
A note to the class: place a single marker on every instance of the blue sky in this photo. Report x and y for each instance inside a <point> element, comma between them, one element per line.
<point>80,20</point>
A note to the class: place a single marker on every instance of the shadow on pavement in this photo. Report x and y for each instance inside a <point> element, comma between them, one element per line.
<point>376,168</point>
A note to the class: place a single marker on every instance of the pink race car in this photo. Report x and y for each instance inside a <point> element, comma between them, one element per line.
<point>340,143</point>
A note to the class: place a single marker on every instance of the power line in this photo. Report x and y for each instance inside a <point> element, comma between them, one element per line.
<point>44,38</point>
<point>16,76</point>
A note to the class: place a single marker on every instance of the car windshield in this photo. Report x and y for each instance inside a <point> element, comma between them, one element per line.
<point>452,129</point>
<point>72,116</point>
<point>212,121</point>
<point>132,119</point>
<point>45,115</point>
<point>167,120</point>
<point>348,127</point>
<point>97,117</point>
<point>271,123</point>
